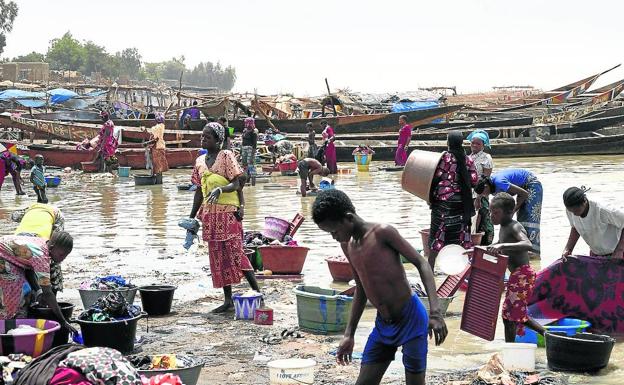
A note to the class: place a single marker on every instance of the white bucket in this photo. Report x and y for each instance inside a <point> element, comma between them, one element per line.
<point>519,356</point>
<point>293,371</point>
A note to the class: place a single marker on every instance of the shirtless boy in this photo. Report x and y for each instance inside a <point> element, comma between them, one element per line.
<point>309,167</point>
<point>514,242</point>
<point>373,251</point>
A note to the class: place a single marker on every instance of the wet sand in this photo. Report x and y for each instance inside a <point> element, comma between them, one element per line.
<point>132,231</point>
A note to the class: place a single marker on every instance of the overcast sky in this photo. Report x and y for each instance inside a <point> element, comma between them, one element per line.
<point>370,46</point>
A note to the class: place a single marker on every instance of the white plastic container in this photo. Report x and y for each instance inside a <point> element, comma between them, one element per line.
<point>293,371</point>
<point>519,356</point>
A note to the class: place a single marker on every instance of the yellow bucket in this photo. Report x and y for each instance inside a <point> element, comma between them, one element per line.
<point>363,161</point>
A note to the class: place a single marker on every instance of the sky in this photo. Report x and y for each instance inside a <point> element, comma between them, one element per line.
<point>291,46</point>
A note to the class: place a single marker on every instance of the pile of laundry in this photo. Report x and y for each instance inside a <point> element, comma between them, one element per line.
<point>254,239</point>
<point>112,307</point>
<point>11,365</point>
<point>162,361</point>
<point>111,282</point>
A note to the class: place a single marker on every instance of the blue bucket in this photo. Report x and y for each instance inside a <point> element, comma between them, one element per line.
<point>245,307</point>
<point>53,181</point>
<point>123,172</point>
<point>569,326</point>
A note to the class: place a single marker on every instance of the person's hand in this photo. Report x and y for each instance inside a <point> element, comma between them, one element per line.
<point>495,249</point>
<point>241,212</point>
<point>566,253</point>
<point>214,195</point>
<point>437,327</point>
<point>71,329</point>
<point>477,203</point>
<point>345,351</point>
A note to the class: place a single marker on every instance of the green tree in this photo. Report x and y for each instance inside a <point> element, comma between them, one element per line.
<point>65,53</point>
<point>130,62</point>
<point>8,13</point>
<point>95,59</point>
<point>31,57</point>
<point>172,68</point>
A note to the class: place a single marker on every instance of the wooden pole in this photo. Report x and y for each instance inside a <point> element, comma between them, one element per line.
<point>330,97</point>
<point>265,116</point>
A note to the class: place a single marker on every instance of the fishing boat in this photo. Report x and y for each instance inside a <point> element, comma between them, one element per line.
<point>59,155</point>
<point>601,142</point>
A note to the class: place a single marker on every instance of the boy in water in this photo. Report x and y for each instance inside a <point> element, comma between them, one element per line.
<point>309,167</point>
<point>37,178</point>
<point>373,251</point>
<point>514,242</point>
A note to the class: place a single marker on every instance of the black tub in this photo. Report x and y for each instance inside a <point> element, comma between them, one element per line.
<point>157,299</point>
<point>119,335</point>
<point>43,312</point>
<point>147,180</point>
<point>582,352</point>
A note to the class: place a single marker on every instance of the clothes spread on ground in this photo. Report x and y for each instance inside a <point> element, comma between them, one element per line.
<point>11,366</point>
<point>111,307</point>
<point>102,366</point>
<point>67,376</point>
<point>601,228</point>
<point>162,361</point>
<point>41,370</point>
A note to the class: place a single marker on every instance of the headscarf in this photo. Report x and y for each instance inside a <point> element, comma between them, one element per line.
<point>160,117</point>
<point>218,130</point>
<point>250,123</point>
<point>455,142</point>
<point>104,115</point>
<point>574,196</point>
<point>482,135</point>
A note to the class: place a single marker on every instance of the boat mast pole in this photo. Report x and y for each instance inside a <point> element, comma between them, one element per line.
<point>330,97</point>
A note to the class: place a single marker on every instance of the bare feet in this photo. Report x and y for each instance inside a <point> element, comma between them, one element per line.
<point>225,308</point>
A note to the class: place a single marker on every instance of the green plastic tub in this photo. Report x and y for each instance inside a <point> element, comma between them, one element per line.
<point>322,311</point>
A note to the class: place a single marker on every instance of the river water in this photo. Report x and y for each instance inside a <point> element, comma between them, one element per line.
<point>129,230</point>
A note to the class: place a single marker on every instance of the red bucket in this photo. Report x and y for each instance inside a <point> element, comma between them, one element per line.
<point>340,269</point>
<point>287,166</point>
<point>263,316</point>
<point>283,259</point>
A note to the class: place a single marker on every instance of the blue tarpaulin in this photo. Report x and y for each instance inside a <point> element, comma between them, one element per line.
<point>19,94</point>
<point>60,95</point>
<point>414,106</point>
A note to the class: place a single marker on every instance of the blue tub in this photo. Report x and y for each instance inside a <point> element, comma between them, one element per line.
<point>123,172</point>
<point>53,181</point>
<point>569,326</point>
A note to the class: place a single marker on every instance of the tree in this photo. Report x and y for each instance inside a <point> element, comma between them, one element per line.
<point>95,59</point>
<point>8,13</point>
<point>130,62</point>
<point>65,53</point>
<point>31,57</point>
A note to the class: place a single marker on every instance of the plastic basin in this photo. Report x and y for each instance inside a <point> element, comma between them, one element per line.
<point>123,172</point>
<point>38,311</point>
<point>569,326</point>
<point>275,228</point>
<point>245,307</point>
<point>293,371</point>
<point>519,356</point>
<point>582,352</point>
<point>445,302</point>
<point>119,335</point>
<point>322,311</point>
<point>188,376</point>
<point>363,161</point>
<point>157,299</point>
<point>283,259</point>
<point>53,181</point>
<point>90,296</point>
<point>32,344</point>
<point>340,270</point>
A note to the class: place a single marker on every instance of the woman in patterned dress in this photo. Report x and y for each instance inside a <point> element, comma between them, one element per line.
<point>217,205</point>
<point>451,199</point>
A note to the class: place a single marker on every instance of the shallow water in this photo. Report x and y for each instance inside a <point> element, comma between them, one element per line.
<point>106,214</point>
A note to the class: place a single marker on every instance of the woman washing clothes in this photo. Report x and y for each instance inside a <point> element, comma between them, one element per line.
<point>217,205</point>
<point>330,148</point>
<point>480,139</point>
<point>157,146</point>
<point>452,205</point>
<point>11,164</point>
<point>107,144</point>
<point>20,256</point>
<point>529,194</point>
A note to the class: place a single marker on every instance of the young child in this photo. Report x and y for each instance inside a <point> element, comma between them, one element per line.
<point>514,242</point>
<point>309,167</point>
<point>373,251</point>
<point>37,178</point>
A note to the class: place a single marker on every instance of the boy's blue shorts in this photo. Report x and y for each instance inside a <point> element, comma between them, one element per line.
<point>410,332</point>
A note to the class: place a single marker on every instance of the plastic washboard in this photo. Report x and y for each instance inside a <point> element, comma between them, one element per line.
<point>295,224</point>
<point>482,303</point>
<point>452,283</point>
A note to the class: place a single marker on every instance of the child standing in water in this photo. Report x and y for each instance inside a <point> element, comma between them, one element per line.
<point>37,178</point>
<point>373,251</point>
<point>514,242</point>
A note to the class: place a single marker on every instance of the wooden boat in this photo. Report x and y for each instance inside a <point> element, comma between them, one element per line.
<point>67,156</point>
<point>602,142</point>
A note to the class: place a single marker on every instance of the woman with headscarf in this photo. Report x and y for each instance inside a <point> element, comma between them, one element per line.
<point>588,287</point>
<point>451,199</point>
<point>330,148</point>
<point>248,149</point>
<point>11,164</point>
<point>217,205</point>
<point>157,146</point>
<point>480,139</point>
<point>529,194</point>
<point>107,144</point>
